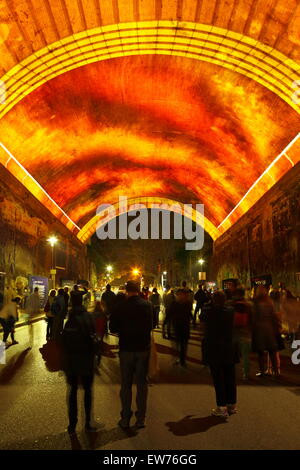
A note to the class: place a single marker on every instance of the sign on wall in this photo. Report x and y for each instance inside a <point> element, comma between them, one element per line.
<point>43,285</point>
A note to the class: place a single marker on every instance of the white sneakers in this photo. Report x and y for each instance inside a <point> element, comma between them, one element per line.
<point>224,411</point>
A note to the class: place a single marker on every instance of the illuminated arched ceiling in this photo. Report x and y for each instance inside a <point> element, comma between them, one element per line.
<point>187,100</point>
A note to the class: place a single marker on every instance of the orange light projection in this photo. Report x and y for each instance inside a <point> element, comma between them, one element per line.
<point>150,127</point>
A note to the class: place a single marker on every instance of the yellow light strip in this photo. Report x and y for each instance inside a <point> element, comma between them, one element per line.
<point>289,159</point>
<point>283,153</point>
<point>90,227</point>
<point>33,184</point>
<point>213,44</point>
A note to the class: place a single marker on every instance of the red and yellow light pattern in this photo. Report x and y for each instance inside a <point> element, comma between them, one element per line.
<point>149,127</point>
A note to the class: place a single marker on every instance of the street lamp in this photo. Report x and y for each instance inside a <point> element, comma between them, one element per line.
<point>201,261</point>
<point>52,240</point>
<point>109,268</point>
<point>135,272</point>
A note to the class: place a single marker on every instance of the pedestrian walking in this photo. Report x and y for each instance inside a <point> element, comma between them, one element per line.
<point>155,301</point>
<point>67,300</point>
<point>243,328</point>
<point>108,299</point>
<point>265,330</point>
<point>49,314</point>
<point>100,322</point>
<point>32,308</point>
<point>201,298</point>
<point>8,318</point>
<point>180,316</point>
<point>220,352</point>
<point>168,299</point>
<point>132,321</point>
<point>78,350</point>
<point>58,309</point>
<point>77,296</point>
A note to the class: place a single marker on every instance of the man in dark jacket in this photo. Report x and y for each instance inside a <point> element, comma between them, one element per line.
<point>180,316</point>
<point>109,299</point>
<point>132,321</point>
<point>221,352</point>
<point>78,363</point>
<point>77,296</point>
<point>201,298</point>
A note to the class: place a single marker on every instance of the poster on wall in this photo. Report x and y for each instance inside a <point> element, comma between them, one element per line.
<point>42,284</point>
<point>265,281</point>
<point>229,283</point>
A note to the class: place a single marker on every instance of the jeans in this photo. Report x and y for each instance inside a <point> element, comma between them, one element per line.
<point>224,383</point>
<point>134,364</point>
<point>181,346</point>
<point>6,330</point>
<point>73,381</point>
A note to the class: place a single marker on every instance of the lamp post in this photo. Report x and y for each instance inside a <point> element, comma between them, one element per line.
<point>109,270</point>
<point>202,275</point>
<point>52,241</point>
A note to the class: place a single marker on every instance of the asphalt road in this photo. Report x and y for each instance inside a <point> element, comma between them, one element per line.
<point>34,414</point>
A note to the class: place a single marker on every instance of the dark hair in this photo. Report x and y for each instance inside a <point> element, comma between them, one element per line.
<point>132,286</point>
<point>184,284</point>
<point>52,293</point>
<point>36,289</point>
<point>61,291</point>
<point>16,299</point>
<point>108,287</point>
<point>154,290</point>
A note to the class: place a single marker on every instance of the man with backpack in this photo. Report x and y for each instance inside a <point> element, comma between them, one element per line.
<point>78,352</point>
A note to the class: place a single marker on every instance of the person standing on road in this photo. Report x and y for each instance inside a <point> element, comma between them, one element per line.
<point>168,299</point>
<point>77,296</point>
<point>49,314</point>
<point>132,320</point>
<point>58,309</point>
<point>180,316</point>
<point>221,353</point>
<point>242,327</point>
<point>108,299</point>
<point>155,301</point>
<point>201,298</point>
<point>8,318</point>
<point>32,308</point>
<point>67,300</point>
<point>78,363</point>
<point>266,330</point>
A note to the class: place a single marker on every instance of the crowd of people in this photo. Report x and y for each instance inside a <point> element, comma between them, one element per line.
<point>231,327</point>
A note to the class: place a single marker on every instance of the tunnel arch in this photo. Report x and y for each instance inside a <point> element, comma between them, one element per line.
<point>237,52</point>
<point>91,226</point>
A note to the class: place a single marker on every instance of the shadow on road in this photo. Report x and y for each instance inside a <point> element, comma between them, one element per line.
<point>190,425</point>
<point>13,366</point>
<point>79,441</point>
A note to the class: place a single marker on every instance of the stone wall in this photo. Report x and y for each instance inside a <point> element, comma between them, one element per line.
<point>25,226</point>
<point>266,240</point>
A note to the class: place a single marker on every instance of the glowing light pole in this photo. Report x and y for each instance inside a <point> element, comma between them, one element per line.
<point>52,240</point>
